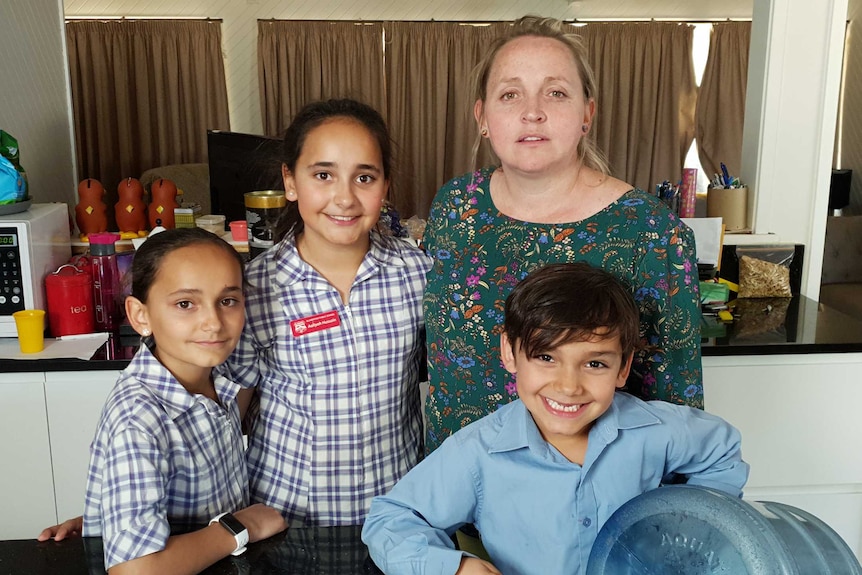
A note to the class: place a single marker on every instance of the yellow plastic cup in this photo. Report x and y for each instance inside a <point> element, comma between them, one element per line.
<point>31,329</point>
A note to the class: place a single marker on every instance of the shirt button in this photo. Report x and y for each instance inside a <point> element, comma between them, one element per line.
<point>587,522</point>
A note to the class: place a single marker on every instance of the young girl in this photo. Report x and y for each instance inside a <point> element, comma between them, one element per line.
<point>168,447</point>
<point>333,341</point>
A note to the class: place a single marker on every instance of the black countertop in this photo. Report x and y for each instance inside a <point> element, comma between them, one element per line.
<point>113,355</point>
<point>771,326</point>
<point>776,326</point>
<point>299,550</point>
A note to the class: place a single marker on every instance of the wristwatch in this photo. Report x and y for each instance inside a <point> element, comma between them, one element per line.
<point>235,528</point>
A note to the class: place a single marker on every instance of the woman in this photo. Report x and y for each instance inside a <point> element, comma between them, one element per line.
<point>550,200</point>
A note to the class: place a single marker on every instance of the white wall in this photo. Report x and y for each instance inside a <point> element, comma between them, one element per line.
<point>790,115</point>
<point>35,99</point>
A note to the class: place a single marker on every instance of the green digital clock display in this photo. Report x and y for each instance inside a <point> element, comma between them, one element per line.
<point>8,240</point>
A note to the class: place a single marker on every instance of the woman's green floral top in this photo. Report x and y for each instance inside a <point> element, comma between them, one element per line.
<point>480,254</point>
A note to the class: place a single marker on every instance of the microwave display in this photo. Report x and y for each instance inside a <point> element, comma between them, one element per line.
<point>11,278</point>
<point>8,240</point>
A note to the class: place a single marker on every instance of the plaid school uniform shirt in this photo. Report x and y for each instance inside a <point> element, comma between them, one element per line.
<point>161,456</point>
<point>339,417</point>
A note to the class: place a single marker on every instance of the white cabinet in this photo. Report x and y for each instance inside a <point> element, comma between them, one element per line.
<point>74,400</point>
<point>801,430</point>
<point>798,415</point>
<point>47,421</point>
<point>26,483</point>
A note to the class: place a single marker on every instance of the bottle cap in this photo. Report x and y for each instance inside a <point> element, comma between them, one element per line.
<point>102,243</point>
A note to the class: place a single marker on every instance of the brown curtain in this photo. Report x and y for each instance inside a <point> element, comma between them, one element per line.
<point>646,97</point>
<point>144,94</point>
<point>721,101</point>
<point>303,61</point>
<point>429,68</point>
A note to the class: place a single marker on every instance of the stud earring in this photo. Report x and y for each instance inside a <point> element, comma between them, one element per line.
<point>484,132</point>
<point>145,332</point>
<point>585,128</point>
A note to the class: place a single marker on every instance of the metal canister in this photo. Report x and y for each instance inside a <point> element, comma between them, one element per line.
<point>261,212</point>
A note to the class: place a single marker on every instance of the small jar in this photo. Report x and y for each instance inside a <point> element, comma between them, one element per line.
<point>211,223</point>
<point>262,210</point>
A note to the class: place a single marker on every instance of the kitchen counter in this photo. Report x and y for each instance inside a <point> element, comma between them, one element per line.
<point>114,355</point>
<point>299,550</point>
<point>771,326</point>
<point>778,326</point>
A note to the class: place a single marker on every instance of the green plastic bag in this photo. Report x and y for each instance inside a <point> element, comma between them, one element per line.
<point>713,291</point>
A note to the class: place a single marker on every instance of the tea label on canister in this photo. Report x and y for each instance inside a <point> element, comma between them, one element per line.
<point>262,210</point>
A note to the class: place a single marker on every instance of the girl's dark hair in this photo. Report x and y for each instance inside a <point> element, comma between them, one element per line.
<point>310,117</point>
<point>148,258</point>
<point>562,303</point>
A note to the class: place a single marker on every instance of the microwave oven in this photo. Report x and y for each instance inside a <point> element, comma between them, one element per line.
<point>33,244</point>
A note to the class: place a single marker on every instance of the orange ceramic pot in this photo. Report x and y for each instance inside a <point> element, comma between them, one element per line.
<point>91,212</point>
<point>163,200</point>
<point>130,211</point>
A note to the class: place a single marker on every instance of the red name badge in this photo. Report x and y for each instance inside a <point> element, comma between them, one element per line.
<point>314,323</point>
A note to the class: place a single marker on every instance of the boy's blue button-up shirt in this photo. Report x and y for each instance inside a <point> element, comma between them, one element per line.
<point>537,511</point>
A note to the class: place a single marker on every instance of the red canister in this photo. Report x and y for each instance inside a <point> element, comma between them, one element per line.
<point>69,292</point>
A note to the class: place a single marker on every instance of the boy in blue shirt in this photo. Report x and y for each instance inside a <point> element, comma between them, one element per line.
<point>540,476</point>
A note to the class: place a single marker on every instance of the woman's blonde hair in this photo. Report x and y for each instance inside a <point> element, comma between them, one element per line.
<point>588,152</point>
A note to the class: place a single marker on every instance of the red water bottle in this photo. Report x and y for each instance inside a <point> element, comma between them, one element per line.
<point>106,280</point>
<point>69,292</point>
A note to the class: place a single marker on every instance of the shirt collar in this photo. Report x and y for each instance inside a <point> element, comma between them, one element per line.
<point>624,413</point>
<point>291,268</point>
<point>518,430</point>
<point>175,398</point>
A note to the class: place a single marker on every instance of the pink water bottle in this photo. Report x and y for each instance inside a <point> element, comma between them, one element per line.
<point>106,280</point>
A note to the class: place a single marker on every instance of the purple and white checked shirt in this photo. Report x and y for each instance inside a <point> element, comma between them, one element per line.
<point>340,418</point>
<point>161,454</point>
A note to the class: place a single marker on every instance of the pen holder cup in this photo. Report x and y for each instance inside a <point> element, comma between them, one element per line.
<point>731,205</point>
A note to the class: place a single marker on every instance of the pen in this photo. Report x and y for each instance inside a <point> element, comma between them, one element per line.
<point>725,175</point>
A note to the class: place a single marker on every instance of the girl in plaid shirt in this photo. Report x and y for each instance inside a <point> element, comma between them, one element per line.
<point>334,333</point>
<point>168,453</point>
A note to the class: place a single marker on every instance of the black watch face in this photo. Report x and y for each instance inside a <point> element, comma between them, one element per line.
<point>232,524</point>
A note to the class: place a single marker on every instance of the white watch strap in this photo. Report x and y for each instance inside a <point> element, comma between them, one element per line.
<point>241,538</point>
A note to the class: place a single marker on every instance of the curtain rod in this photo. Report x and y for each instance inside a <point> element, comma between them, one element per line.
<point>680,20</point>
<point>489,22</point>
<point>70,18</point>
<point>360,21</point>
